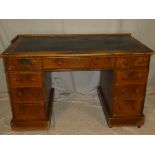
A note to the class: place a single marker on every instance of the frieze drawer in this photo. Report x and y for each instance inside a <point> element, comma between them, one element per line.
<point>78,63</point>
<point>127,62</point>
<point>22,64</point>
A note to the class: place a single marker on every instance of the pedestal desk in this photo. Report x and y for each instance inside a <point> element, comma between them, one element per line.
<point>122,60</point>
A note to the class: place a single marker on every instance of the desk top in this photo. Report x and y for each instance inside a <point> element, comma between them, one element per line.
<point>49,45</point>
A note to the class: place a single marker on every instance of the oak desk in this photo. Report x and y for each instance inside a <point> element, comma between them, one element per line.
<point>122,60</point>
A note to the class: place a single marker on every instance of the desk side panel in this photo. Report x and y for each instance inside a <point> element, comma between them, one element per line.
<point>106,85</point>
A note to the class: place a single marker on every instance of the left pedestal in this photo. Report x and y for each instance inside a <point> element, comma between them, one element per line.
<point>30,94</point>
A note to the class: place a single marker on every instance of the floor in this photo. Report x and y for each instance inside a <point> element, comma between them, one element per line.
<point>77,114</point>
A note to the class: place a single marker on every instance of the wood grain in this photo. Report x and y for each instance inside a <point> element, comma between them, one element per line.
<point>123,61</point>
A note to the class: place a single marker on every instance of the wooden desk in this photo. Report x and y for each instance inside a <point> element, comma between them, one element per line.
<point>122,60</point>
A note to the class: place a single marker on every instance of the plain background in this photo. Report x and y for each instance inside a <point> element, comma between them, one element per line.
<point>81,82</point>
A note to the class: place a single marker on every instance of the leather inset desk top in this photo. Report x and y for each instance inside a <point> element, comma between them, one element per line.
<point>123,43</point>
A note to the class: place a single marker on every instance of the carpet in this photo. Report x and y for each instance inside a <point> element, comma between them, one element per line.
<point>78,114</point>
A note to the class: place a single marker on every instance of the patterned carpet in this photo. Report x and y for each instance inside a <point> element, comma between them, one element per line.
<point>77,114</point>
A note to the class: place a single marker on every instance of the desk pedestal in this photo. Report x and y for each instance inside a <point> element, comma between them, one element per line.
<point>116,120</point>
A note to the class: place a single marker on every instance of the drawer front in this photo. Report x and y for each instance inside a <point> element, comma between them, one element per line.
<point>27,94</point>
<point>127,62</point>
<point>26,112</point>
<point>133,91</point>
<point>127,107</point>
<point>132,76</point>
<point>22,64</point>
<point>78,63</point>
<point>24,79</point>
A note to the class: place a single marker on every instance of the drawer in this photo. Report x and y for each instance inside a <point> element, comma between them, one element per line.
<point>127,62</point>
<point>27,94</point>
<point>25,79</point>
<point>22,63</point>
<point>127,107</point>
<point>132,76</point>
<point>78,63</point>
<point>26,112</point>
<point>133,91</point>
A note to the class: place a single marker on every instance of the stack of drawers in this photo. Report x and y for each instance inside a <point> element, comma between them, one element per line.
<point>26,84</point>
<point>130,84</point>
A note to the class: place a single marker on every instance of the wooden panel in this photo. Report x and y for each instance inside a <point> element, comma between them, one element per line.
<point>126,91</point>
<point>106,86</point>
<point>131,61</point>
<point>25,79</point>
<point>78,62</point>
<point>22,63</point>
<point>26,112</point>
<point>132,76</point>
<point>128,106</point>
<point>27,94</point>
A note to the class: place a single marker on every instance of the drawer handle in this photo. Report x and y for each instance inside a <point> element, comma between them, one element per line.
<point>94,62</point>
<point>139,76</point>
<point>59,62</point>
<point>137,91</point>
<point>140,61</point>
<point>33,79</point>
<point>19,94</point>
<point>17,80</point>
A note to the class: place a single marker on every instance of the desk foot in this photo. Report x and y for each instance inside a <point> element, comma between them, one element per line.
<point>113,121</point>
